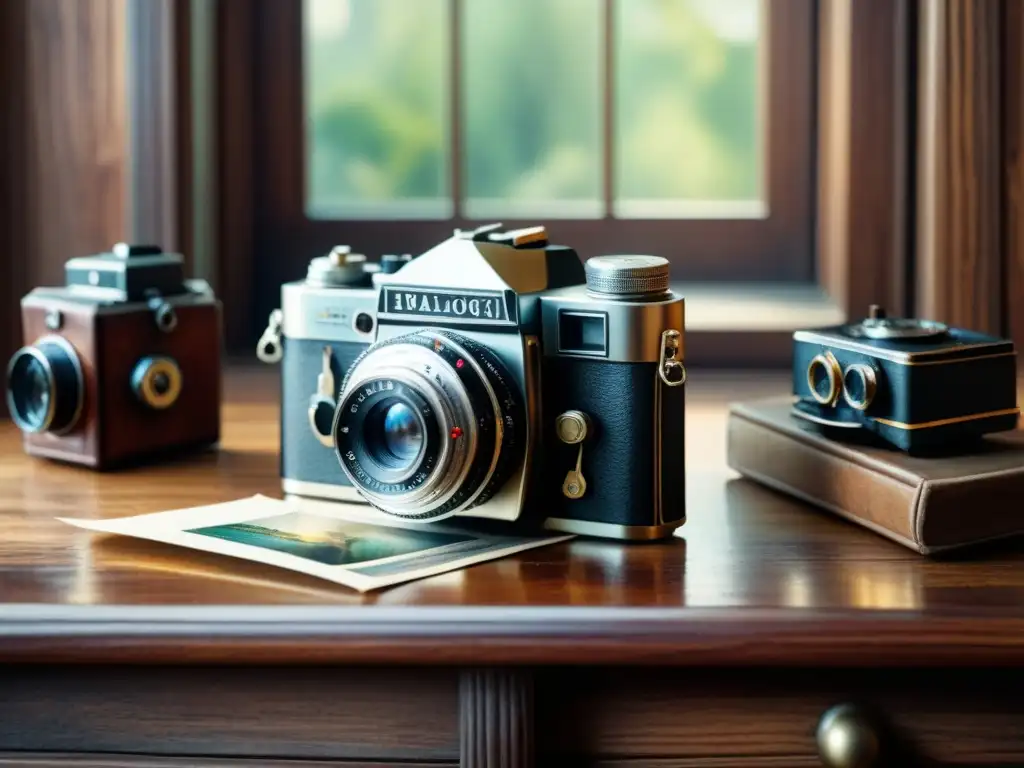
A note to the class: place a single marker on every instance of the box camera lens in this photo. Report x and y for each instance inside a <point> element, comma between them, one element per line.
<point>44,387</point>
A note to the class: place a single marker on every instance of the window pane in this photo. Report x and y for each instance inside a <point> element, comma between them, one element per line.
<point>377,102</point>
<point>687,108</point>
<point>531,77</point>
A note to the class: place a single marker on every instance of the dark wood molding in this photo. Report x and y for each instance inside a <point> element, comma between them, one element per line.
<point>15,228</point>
<point>233,267</point>
<point>960,164</point>
<point>159,122</point>
<point>863,95</point>
<point>70,760</point>
<point>1013,158</point>
<point>496,718</point>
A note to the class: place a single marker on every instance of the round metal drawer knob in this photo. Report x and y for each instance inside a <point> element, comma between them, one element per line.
<point>847,739</point>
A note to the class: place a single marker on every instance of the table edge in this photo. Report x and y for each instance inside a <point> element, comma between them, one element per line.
<point>495,635</point>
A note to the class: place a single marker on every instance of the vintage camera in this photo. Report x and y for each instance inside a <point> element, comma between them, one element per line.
<point>504,381</point>
<point>917,385</point>
<point>120,364</point>
<point>325,322</point>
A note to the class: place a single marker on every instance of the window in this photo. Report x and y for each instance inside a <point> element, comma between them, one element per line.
<point>519,125</point>
<point>676,127</point>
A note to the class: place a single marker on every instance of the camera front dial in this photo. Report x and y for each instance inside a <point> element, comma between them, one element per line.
<point>428,424</point>
<point>156,382</point>
<point>45,386</point>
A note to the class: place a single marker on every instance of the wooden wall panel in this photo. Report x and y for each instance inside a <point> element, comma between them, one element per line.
<point>65,147</point>
<point>862,140</point>
<point>1013,96</point>
<point>77,148</point>
<point>960,164</point>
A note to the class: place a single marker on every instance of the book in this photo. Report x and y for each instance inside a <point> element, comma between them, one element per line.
<point>930,505</point>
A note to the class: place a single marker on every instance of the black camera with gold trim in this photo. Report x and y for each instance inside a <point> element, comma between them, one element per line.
<point>917,385</point>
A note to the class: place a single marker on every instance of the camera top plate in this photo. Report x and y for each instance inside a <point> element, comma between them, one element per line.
<point>127,273</point>
<point>893,328</point>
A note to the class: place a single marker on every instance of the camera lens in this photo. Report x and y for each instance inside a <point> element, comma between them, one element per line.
<point>156,382</point>
<point>161,383</point>
<point>45,386</point>
<point>429,424</point>
<point>30,389</point>
<point>824,378</point>
<point>859,386</point>
<point>393,434</point>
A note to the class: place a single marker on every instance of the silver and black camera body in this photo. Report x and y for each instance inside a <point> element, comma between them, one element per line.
<point>917,385</point>
<point>504,381</point>
<point>325,322</point>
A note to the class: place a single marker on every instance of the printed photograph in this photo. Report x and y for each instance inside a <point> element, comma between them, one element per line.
<point>327,540</point>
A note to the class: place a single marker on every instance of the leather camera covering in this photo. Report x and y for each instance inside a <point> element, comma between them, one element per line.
<point>927,504</point>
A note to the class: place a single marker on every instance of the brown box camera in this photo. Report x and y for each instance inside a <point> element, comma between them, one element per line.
<point>122,364</point>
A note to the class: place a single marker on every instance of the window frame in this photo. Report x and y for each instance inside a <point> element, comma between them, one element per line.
<point>859,246</point>
<point>777,247</point>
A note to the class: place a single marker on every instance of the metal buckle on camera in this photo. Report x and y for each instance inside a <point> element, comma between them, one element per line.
<point>670,369</point>
<point>269,349</point>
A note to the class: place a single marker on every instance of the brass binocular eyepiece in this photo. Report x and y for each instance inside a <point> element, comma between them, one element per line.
<point>827,380</point>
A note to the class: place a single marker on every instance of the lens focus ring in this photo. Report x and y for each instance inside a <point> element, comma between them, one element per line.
<point>859,386</point>
<point>825,378</point>
<point>156,382</point>
<point>472,404</point>
<point>45,386</point>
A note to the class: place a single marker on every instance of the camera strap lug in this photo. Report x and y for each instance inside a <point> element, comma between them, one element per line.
<point>670,366</point>
<point>322,404</point>
<point>268,349</point>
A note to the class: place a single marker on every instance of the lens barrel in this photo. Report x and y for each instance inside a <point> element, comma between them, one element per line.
<point>429,424</point>
<point>45,386</point>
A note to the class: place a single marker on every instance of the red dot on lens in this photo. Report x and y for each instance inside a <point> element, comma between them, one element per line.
<point>456,433</point>
<point>459,363</point>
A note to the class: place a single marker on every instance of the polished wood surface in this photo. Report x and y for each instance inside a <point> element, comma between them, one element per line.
<point>754,577</point>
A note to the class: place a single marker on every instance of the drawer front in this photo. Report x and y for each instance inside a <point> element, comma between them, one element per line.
<point>681,718</point>
<point>369,714</point>
<point>146,761</point>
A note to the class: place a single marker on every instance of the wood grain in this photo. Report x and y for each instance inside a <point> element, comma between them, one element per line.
<point>755,578</point>
<point>862,189</point>
<point>960,165</point>
<point>65,129</point>
<point>496,718</point>
<point>714,715</point>
<point>235,57</point>
<point>1013,138</point>
<point>157,64</point>
<point>148,761</point>
<point>14,241</point>
<point>360,714</point>
<point>129,430</point>
<point>82,442</point>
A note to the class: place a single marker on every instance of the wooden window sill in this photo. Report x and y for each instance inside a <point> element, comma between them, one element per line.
<point>751,325</point>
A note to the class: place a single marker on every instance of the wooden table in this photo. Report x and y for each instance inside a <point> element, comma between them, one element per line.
<point>721,648</point>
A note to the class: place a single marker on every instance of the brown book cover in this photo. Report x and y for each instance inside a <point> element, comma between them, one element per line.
<point>928,504</point>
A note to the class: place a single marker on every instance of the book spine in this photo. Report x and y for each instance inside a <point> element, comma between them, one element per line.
<point>827,480</point>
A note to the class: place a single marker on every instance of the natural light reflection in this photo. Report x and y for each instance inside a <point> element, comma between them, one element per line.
<point>682,91</point>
